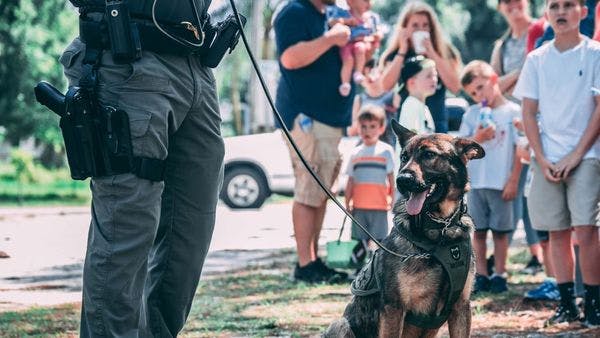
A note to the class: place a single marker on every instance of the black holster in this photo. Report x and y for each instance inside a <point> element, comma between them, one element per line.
<point>97,137</point>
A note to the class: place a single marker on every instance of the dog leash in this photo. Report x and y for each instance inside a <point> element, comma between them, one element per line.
<point>297,150</point>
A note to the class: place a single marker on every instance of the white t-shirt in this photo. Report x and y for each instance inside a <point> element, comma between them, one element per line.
<point>561,83</point>
<point>492,171</point>
<point>415,116</point>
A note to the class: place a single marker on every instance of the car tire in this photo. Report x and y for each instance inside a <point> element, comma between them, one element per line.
<point>244,188</point>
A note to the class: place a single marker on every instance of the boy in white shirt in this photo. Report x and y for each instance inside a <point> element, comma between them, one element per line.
<point>556,83</point>
<point>421,78</point>
<point>494,180</point>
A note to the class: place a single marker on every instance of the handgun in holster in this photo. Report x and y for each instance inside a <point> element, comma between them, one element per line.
<point>221,37</point>
<point>97,137</point>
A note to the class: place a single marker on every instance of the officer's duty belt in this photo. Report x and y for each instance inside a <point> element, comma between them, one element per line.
<point>95,34</point>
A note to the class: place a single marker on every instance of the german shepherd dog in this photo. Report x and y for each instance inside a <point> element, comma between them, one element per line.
<point>414,293</point>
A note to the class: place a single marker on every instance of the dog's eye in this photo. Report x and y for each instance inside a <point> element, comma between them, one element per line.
<point>428,155</point>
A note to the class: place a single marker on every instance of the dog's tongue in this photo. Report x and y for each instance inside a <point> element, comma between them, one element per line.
<point>415,202</point>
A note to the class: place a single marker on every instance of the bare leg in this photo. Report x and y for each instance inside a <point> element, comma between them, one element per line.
<point>500,251</point>
<point>304,219</point>
<point>589,253</point>
<point>347,66</point>
<point>562,255</point>
<point>536,251</point>
<point>319,216</point>
<point>360,51</point>
<point>548,266</point>
<point>480,248</point>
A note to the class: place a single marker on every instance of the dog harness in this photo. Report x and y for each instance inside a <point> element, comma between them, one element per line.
<point>454,255</point>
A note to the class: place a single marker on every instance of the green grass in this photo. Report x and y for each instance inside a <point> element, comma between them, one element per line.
<point>61,321</point>
<point>262,301</point>
<point>60,191</point>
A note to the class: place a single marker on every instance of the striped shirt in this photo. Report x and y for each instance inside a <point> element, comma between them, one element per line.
<point>369,167</point>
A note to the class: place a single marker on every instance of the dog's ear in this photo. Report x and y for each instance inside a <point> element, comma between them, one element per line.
<point>468,149</point>
<point>402,133</point>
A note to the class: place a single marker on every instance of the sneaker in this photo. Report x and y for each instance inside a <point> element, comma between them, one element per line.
<point>330,275</point>
<point>358,77</point>
<point>498,284</point>
<point>345,89</point>
<point>533,267</point>
<point>309,273</point>
<point>546,291</point>
<point>482,284</point>
<point>592,315</point>
<point>564,314</point>
<point>490,265</point>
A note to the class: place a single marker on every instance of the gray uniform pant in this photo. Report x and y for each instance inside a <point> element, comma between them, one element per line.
<point>148,240</point>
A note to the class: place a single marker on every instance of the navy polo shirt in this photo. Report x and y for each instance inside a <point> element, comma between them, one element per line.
<point>313,89</point>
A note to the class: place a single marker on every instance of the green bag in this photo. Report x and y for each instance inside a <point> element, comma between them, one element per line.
<point>339,252</point>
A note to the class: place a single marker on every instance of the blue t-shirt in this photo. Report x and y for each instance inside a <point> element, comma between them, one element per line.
<point>313,89</point>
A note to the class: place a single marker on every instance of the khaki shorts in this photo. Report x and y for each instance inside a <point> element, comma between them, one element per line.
<point>574,202</point>
<point>319,146</point>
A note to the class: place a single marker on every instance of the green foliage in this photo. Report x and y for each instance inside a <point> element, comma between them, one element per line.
<point>22,181</point>
<point>33,34</point>
<point>22,162</point>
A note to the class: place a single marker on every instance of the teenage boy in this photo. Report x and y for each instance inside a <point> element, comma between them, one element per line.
<point>494,179</point>
<point>556,83</point>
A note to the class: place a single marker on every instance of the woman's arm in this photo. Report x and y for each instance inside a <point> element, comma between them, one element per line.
<point>448,69</point>
<point>508,81</point>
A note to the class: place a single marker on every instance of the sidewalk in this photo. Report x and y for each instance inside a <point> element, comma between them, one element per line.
<point>47,248</point>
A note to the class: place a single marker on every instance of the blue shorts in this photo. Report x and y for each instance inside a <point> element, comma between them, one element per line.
<point>489,211</point>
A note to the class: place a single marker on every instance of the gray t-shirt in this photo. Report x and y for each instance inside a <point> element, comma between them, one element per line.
<point>513,54</point>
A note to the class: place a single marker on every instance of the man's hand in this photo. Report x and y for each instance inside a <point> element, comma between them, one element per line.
<point>510,189</point>
<point>563,168</point>
<point>484,134</point>
<point>338,35</point>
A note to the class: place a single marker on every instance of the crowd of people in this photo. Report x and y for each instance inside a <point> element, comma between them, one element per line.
<point>536,113</point>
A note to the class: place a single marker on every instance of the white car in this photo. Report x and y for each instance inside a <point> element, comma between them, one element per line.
<point>258,165</point>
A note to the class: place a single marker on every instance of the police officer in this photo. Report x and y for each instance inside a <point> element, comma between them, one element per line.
<point>148,238</point>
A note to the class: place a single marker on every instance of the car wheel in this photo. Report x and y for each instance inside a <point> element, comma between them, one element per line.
<point>244,188</point>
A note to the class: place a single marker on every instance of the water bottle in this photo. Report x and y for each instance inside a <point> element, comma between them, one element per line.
<point>485,115</point>
<point>305,123</point>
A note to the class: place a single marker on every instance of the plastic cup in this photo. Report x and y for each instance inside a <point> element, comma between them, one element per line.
<point>417,40</point>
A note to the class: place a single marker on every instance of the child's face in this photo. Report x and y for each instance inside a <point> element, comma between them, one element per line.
<point>370,130</point>
<point>425,82</point>
<point>564,15</point>
<point>481,88</point>
<point>360,6</point>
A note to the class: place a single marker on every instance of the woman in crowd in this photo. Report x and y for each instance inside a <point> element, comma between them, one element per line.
<point>417,16</point>
<point>510,50</point>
